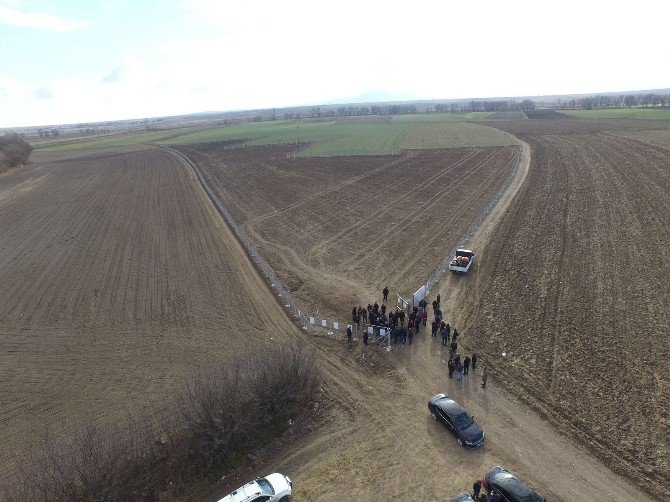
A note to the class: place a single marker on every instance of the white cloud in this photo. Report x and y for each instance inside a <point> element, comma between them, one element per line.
<point>14,17</point>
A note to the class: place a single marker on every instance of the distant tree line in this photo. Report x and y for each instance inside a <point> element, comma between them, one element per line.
<point>361,111</point>
<point>623,100</point>
<point>46,133</point>
<point>487,106</point>
<point>14,150</point>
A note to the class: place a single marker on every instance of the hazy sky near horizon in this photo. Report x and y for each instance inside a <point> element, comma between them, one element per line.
<point>73,61</point>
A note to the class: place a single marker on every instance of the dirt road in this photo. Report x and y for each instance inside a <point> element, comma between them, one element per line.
<point>381,444</point>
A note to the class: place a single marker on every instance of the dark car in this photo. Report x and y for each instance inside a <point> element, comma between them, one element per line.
<point>446,410</point>
<point>510,488</point>
<point>463,497</point>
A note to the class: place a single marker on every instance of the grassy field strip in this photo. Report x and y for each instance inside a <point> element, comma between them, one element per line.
<point>619,113</point>
<point>453,135</point>
<point>328,138</point>
<point>119,140</point>
<point>441,117</point>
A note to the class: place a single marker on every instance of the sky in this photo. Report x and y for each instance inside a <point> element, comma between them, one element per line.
<point>85,60</point>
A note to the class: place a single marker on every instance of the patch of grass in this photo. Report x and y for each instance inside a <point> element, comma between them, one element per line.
<point>119,140</point>
<point>616,113</point>
<point>331,139</point>
<point>328,138</point>
<point>452,135</point>
<point>440,117</point>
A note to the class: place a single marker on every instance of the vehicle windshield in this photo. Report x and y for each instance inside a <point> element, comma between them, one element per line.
<point>266,486</point>
<point>463,421</point>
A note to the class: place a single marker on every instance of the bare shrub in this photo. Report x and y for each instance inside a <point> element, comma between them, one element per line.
<point>217,419</point>
<point>14,150</point>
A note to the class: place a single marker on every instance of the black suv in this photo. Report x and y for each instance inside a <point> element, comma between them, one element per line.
<point>446,410</point>
<point>510,488</point>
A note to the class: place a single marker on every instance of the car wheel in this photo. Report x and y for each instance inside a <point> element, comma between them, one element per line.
<point>433,415</point>
<point>460,441</point>
<point>284,499</point>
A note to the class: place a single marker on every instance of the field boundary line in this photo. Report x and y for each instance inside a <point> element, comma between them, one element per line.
<point>439,272</point>
<point>282,294</point>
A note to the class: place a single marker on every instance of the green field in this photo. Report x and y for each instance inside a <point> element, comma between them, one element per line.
<point>118,140</point>
<point>450,135</point>
<point>440,117</point>
<point>620,113</point>
<point>320,138</point>
<point>327,138</point>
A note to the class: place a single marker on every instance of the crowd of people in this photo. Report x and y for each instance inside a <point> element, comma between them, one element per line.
<point>402,333</point>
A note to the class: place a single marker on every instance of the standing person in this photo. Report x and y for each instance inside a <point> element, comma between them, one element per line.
<point>354,311</point>
<point>435,305</point>
<point>456,334</point>
<point>485,377</point>
<point>365,337</point>
<point>495,496</point>
<point>451,367</point>
<point>466,365</point>
<point>438,301</point>
<point>424,317</point>
<point>459,370</point>
<point>448,328</point>
<point>417,324</point>
<point>385,293</point>
<point>349,334</point>
<point>357,320</point>
<point>410,335</point>
<point>445,338</point>
<point>433,328</point>
<point>476,488</point>
<point>474,361</point>
<point>454,347</point>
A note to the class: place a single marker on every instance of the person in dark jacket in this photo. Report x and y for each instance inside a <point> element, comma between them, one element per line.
<point>385,293</point>
<point>476,488</point>
<point>451,366</point>
<point>410,335</point>
<point>438,300</point>
<point>445,338</point>
<point>448,328</point>
<point>433,329</point>
<point>456,334</point>
<point>365,337</point>
<point>466,365</point>
<point>454,347</point>
<point>349,334</point>
<point>459,370</point>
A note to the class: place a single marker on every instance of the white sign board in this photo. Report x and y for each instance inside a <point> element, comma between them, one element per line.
<point>418,296</point>
<point>312,320</point>
<point>336,325</point>
<point>324,323</point>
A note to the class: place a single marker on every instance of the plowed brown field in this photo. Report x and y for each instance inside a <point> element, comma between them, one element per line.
<point>118,280</point>
<point>337,230</point>
<point>573,287</point>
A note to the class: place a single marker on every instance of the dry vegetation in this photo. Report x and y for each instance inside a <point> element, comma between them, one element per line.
<point>14,151</point>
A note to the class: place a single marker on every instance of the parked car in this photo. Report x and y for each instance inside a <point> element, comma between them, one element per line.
<point>444,409</point>
<point>274,487</point>
<point>463,497</point>
<point>511,488</point>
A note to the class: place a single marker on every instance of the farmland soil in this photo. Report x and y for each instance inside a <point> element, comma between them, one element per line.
<point>337,230</point>
<point>124,280</point>
<point>118,282</point>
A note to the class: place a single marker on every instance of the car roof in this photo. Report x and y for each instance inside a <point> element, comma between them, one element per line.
<point>510,483</point>
<point>449,406</point>
<point>243,493</point>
